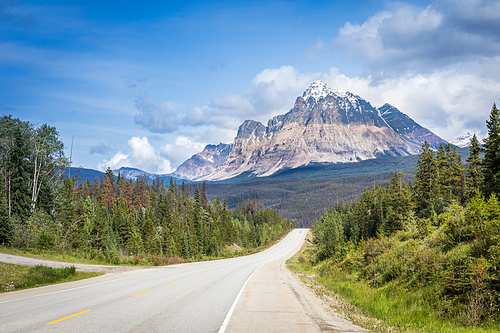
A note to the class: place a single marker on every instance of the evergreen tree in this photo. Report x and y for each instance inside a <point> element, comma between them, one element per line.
<point>20,190</point>
<point>474,172</point>
<point>399,204</point>
<point>452,182</point>
<point>6,230</point>
<point>440,161</point>
<point>491,148</point>
<point>425,186</point>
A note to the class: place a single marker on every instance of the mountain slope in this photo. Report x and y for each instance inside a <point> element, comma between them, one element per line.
<point>324,126</point>
<point>407,127</point>
<point>204,163</point>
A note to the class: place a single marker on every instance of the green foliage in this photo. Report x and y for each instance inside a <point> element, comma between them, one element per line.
<point>16,277</point>
<point>426,178</point>
<point>328,233</point>
<point>437,238</point>
<point>491,147</point>
<point>6,228</point>
<point>474,173</point>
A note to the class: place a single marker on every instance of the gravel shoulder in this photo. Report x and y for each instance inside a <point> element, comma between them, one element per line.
<point>27,261</point>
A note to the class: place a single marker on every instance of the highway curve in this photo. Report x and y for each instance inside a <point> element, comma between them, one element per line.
<point>194,297</point>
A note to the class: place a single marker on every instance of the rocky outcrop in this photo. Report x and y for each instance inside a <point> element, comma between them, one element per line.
<point>204,163</point>
<point>408,128</point>
<point>325,125</point>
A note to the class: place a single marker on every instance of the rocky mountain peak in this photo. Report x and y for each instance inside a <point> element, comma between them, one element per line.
<point>463,140</point>
<point>319,89</point>
<point>251,130</point>
<point>399,121</point>
<point>325,125</point>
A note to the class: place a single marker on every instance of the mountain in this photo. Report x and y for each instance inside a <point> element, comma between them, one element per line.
<point>407,127</point>
<point>463,140</point>
<point>325,125</point>
<point>204,163</point>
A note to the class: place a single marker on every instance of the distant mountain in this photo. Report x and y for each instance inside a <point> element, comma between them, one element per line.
<point>463,140</point>
<point>125,172</point>
<point>83,173</point>
<point>204,163</point>
<point>325,125</point>
<point>407,127</point>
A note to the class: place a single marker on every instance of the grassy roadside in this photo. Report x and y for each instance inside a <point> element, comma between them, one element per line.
<point>17,277</point>
<point>390,308</point>
<point>76,257</point>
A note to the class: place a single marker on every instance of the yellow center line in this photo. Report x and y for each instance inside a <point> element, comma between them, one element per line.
<point>217,268</point>
<point>207,270</point>
<point>192,275</point>
<point>141,292</point>
<point>73,315</point>
<point>173,281</point>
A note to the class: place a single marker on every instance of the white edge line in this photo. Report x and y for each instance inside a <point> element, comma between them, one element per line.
<point>223,327</point>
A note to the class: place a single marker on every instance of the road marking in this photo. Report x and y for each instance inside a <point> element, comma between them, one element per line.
<point>192,275</point>
<point>145,291</point>
<point>223,327</point>
<point>173,281</point>
<point>73,315</point>
<point>217,268</point>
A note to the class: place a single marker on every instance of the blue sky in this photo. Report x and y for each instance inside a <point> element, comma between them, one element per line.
<point>148,84</point>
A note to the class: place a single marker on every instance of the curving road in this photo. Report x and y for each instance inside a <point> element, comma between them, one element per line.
<point>195,297</point>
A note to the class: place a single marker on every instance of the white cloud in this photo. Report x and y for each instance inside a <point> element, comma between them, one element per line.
<point>412,41</point>
<point>449,102</point>
<point>183,148</point>
<point>154,115</point>
<point>313,52</point>
<point>141,157</point>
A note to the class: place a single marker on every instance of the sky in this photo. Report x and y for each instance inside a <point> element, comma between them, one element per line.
<point>148,84</point>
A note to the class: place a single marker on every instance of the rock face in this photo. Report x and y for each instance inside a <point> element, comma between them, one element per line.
<point>407,127</point>
<point>204,163</point>
<point>325,126</point>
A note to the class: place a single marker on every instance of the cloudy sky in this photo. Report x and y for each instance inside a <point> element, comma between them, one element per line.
<point>147,85</point>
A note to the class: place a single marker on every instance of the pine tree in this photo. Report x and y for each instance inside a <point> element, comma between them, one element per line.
<point>491,148</point>
<point>474,172</point>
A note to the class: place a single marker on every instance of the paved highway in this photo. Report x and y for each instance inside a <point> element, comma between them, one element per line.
<point>195,297</point>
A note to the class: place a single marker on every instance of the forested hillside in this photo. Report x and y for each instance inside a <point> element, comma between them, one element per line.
<point>111,219</point>
<point>433,242</point>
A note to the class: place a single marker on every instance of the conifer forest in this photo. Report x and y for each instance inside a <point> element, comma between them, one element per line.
<point>111,219</point>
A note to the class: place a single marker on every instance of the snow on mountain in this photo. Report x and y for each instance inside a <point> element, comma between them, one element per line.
<point>325,125</point>
<point>463,140</point>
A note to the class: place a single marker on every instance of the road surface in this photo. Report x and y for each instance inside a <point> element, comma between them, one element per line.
<point>195,297</point>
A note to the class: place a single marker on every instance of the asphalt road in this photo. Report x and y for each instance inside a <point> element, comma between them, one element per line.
<point>196,297</point>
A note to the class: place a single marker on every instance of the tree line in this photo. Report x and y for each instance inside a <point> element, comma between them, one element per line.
<point>440,231</point>
<point>113,219</point>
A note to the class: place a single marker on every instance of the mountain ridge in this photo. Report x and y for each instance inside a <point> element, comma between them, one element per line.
<point>325,125</point>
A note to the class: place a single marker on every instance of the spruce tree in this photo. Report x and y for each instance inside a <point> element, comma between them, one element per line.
<point>20,190</point>
<point>6,230</point>
<point>399,204</point>
<point>425,186</point>
<point>452,183</point>
<point>491,148</point>
<point>474,172</point>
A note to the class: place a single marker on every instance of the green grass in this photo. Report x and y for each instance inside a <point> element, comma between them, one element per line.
<point>392,305</point>
<point>17,277</point>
